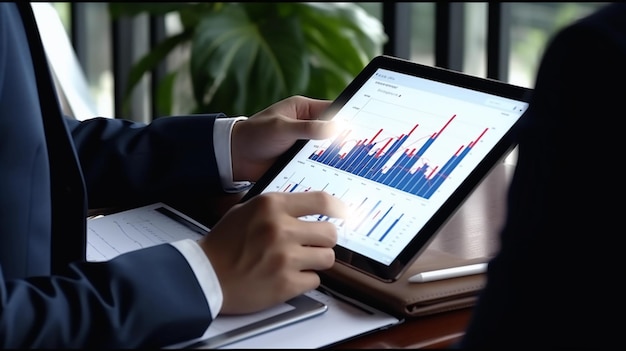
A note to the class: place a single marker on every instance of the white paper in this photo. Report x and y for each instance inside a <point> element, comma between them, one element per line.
<point>341,321</point>
<point>111,235</point>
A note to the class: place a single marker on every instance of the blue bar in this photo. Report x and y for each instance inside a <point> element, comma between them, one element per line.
<point>367,216</point>
<point>395,174</point>
<point>295,186</point>
<point>420,179</point>
<point>361,161</point>
<point>380,220</point>
<point>352,156</point>
<point>359,158</point>
<point>367,165</point>
<point>387,155</point>
<point>406,177</point>
<point>390,227</point>
<point>454,162</point>
<point>361,204</point>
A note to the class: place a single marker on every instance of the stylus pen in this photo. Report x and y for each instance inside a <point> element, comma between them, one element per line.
<point>448,273</point>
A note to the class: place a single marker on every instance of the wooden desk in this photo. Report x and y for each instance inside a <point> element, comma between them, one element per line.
<point>472,232</point>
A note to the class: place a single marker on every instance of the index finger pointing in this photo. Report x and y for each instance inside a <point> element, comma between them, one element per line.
<point>315,203</point>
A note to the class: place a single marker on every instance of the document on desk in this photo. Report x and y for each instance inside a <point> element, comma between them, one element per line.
<point>141,227</point>
<point>287,325</point>
<point>343,320</point>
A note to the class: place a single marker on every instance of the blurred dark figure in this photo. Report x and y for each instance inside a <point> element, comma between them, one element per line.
<point>555,281</point>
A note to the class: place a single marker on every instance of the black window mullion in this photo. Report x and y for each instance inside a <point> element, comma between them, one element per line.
<point>130,39</point>
<point>449,38</point>
<point>78,31</point>
<point>157,33</point>
<point>122,62</point>
<point>397,23</point>
<point>498,40</point>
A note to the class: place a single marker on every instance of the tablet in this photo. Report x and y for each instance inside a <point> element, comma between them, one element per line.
<point>417,141</point>
<point>226,330</point>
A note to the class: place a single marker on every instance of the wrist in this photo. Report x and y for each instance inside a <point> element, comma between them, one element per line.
<point>223,135</point>
<point>237,163</point>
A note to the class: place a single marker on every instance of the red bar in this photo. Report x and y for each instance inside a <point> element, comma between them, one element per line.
<point>375,136</point>
<point>459,150</point>
<point>480,136</point>
<point>447,123</point>
<point>430,175</point>
<point>380,151</point>
<point>376,215</point>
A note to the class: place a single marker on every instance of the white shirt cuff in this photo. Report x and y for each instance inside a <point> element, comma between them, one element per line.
<point>221,142</point>
<point>202,268</point>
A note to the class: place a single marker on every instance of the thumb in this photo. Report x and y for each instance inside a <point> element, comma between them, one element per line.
<point>315,129</point>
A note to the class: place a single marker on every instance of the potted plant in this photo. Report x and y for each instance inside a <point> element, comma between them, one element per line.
<point>245,56</point>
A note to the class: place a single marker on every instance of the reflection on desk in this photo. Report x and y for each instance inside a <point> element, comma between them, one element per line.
<point>471,233</point>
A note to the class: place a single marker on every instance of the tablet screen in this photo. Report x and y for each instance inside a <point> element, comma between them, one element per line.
<point>414,142</point>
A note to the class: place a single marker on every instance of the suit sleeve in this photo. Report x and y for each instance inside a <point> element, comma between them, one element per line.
<point>123,303</point>
<point>170,158</point>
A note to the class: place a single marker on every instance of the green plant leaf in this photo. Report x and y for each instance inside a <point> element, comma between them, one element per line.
<point>245,56</point>
<point>266,59</point>
<point>343,34</point>
<point>151,60</point>
<point>164,94</point>
<point>328,84</point>
<point>193,13</point>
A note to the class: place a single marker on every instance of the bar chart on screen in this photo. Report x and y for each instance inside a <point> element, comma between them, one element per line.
<point>399,161</point>
<point>395,159</point>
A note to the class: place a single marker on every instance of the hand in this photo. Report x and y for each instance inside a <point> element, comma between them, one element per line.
<point>257,142</point>
<point>263,254</point>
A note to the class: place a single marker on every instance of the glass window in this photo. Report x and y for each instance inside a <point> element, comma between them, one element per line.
<point>373,8</point>
<point>183,96</point>
<point>422,38</point>
<point>96,48</point>
<point>64,11</point>
<point>475,38</point>
<point>532,25</point>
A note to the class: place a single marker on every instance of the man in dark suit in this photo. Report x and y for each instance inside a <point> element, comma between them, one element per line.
<point>53,168</point>
<point>554,282</point>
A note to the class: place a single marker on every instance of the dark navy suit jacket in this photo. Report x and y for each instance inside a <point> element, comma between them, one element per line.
<point>557,279</point>
<point>52,169</point>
